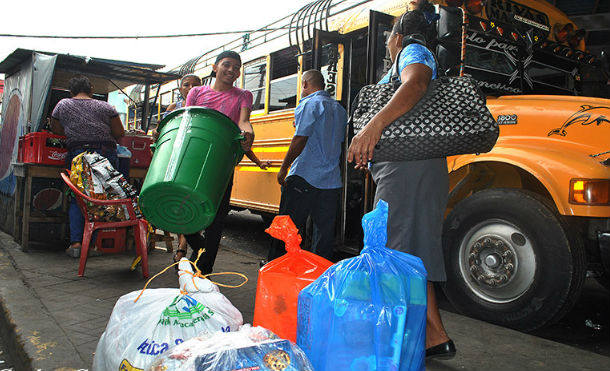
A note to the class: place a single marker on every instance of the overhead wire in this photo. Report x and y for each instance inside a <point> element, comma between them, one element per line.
<point>113,37</point>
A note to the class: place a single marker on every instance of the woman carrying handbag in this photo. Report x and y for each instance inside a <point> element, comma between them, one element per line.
<point>416,191</point>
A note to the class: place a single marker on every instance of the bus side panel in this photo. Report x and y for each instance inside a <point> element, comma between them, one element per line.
<point>254,188</point>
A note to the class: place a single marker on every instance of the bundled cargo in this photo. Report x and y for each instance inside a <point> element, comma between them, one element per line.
<point>93,174</point>
<point>250,348</point>
<point>367,312</point>
<point>145,324</point>
<point>281,280</point>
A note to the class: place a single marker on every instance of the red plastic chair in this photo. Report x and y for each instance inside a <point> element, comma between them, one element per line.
<point>140,225</point>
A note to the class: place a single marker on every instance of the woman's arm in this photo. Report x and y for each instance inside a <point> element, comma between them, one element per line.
<point>262,164</point>
<point>171,107</point>
<point>56,127</point>
<point>116,127</point>
<point>415,80</point>
<point>245,126</point>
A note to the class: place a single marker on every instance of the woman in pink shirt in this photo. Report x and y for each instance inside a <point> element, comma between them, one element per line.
<point>236,103</point>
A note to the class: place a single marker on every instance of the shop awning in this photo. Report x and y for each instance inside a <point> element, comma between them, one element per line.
<point>105,74</point>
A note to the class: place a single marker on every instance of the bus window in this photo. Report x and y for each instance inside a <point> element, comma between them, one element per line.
<point>175,95</point>
<point>255,74</point>
<point>283,93</point>
<point>283,86</point>
<point>489,60</point>
<point>550,77</point>
<point>209,80</point>
<point>166,100</point>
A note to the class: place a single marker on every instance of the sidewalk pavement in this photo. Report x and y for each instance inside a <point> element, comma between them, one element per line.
<point>53,319</point>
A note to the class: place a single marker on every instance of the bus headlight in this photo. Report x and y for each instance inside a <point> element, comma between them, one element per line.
<point>590,191</point>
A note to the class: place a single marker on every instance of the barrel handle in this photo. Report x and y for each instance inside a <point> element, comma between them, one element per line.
<point>240,136</point>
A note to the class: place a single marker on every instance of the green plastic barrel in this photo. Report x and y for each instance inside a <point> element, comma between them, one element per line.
<point>195,155</point>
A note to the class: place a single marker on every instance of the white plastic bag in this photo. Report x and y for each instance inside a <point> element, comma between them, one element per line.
<point>250,348</point>
<point>161,318</point>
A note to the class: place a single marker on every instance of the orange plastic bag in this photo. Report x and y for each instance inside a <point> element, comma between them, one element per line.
<point>281,280</point>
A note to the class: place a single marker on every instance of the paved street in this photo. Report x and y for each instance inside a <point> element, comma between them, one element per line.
<point>56,317</point>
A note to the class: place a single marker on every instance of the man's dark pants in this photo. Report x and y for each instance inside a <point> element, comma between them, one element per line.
<point>299,200</point>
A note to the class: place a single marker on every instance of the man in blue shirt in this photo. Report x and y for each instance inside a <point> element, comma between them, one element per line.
<point>313,184</point>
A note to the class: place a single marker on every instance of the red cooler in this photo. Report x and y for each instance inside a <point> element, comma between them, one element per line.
<point>139,145</point>
<point>43,148</point>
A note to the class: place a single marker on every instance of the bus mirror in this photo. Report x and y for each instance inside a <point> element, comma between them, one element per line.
<point>449,25</point>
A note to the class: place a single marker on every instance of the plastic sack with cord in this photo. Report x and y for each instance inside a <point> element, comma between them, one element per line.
<point>367,312</point>
<point>144,324</point>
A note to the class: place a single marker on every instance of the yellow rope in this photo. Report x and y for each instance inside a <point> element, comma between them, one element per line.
<point>196,274</point>
<point>152,278</point>
<point>229,286</point>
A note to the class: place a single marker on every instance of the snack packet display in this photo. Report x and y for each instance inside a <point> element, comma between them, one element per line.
<point>139,331</point>
<point>250,348</point>
<point>93,174</point>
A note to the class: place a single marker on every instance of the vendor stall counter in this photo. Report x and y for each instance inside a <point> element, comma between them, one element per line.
<point>26,216</point>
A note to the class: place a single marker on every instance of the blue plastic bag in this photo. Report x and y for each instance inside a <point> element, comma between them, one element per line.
<point>367,312</point>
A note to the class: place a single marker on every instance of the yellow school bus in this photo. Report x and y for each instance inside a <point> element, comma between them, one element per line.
<point>525,221</point>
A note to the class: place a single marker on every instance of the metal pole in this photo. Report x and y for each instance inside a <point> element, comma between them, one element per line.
<point>145,108</point>
<point>151,112</point>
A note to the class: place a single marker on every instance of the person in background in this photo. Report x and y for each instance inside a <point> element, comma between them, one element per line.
<point>313,184</point>
<point>235,103</point>
<point>88,125</point>
<point>186,84</point>
<point>416,191</point>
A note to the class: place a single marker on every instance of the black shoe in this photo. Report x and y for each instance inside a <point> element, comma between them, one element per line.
<point>262,263</point>
<point>444,350</point>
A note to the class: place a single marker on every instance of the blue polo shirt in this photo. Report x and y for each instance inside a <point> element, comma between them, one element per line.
<point>323,120</point>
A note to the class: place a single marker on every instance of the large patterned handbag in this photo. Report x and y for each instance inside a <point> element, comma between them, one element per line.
<point>451,119</point>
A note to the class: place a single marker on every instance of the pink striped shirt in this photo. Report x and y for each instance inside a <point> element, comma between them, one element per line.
<point>229,102</point>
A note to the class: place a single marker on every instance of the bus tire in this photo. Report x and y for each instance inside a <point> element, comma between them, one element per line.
<point>511,260</point>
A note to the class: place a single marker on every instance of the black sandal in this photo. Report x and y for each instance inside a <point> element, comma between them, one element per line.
<point>183,251</point>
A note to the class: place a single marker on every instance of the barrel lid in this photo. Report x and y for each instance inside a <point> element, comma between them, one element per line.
<point>194,109</point>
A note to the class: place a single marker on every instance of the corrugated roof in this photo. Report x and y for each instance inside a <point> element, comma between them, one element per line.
<point>123,71</point>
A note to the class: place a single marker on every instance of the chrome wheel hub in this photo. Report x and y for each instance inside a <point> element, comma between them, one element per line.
<point>497,261</point>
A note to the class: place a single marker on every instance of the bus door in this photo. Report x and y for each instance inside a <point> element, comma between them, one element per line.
<point>366,60</point>
<point>378,64</point>
<point>331,54</point>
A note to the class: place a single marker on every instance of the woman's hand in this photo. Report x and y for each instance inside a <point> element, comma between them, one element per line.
<point>264,164</point>
<point>246,143</point>
<point>363,144</point>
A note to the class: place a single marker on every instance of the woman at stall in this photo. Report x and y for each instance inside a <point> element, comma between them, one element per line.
<point>88,125</point>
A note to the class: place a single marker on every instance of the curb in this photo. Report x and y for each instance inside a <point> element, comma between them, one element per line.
<point>34,339</point>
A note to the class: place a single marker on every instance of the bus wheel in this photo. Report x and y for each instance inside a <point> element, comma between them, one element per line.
<point>510,260</point>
